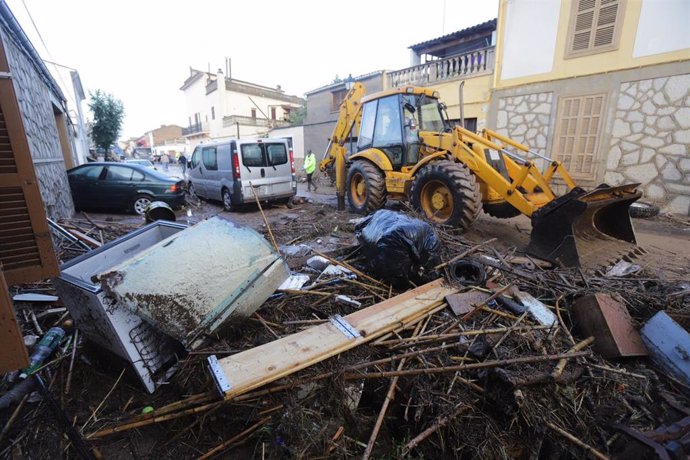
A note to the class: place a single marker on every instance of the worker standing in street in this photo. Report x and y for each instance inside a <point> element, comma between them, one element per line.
<point>309,168</point>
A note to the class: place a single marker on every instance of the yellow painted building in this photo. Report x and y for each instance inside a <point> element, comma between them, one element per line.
<point>602,85</point>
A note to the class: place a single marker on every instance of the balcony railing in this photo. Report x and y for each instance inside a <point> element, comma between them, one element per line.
<point>232,120</point>
<point>464,65</point>
<point>196,128</point>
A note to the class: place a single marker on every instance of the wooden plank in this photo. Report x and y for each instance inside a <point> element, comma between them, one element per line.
<point>85,238</point>
<point>258,366</point>
<point>13,353</point>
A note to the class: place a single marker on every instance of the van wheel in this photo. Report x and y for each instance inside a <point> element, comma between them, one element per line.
<point>227,201</point>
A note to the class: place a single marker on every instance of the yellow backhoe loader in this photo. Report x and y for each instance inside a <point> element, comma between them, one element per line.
<point>402,147</point>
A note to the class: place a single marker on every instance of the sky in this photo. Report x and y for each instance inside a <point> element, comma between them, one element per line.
<point>141,51</point>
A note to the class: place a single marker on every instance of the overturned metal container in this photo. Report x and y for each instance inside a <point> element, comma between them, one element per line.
<point>191,283</point>
<point>108,324</point>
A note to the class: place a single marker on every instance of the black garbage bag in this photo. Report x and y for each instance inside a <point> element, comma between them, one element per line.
<point>399,248</point>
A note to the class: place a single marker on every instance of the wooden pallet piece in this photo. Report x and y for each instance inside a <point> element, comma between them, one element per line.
<point>258,366</point>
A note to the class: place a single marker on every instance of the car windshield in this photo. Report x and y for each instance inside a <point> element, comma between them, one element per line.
<point>141,162</point>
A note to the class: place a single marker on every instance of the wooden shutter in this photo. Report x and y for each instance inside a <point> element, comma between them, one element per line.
<point>26,249</point>
<point>13,354</point>
<point>594,26</point>
<point>577,133</point>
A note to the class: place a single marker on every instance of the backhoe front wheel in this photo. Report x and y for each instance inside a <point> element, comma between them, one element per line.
<point>447,194</point>
<point>366,187</point>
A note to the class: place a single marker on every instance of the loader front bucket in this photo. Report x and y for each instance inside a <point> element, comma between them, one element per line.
<point>585,229</point>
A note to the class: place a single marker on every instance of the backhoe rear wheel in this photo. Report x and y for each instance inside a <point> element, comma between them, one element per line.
<point>447,193</point>
<point>366,187</point>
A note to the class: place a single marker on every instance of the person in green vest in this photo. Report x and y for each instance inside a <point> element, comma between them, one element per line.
<point>309,167</point>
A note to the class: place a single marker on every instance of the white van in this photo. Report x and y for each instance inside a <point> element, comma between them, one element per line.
<point>227,170</point>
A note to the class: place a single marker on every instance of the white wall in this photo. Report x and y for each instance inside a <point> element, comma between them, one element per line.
<point>664,26</point>
<point>297,135</point>
<point>529,39</point>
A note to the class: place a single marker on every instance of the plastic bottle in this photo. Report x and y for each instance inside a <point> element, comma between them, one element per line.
<point>43,349</point>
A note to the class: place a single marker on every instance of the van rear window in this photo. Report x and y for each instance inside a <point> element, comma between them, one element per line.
<point>262,155</point>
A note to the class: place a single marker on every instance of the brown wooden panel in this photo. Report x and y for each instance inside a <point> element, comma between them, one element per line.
<point>13,353</point>
<point>26,249</point>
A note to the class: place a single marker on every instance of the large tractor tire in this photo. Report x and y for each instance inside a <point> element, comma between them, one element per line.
<point>447,193</point>
<point>502,210</point>
<point>366,187</point>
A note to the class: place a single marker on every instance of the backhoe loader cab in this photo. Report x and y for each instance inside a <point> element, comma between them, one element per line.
<point>407,150</point>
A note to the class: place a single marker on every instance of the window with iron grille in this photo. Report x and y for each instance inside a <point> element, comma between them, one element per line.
<point>578,127</point>
<point>594,26</point>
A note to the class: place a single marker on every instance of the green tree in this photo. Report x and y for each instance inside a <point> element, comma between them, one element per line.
<point>108,114</point>
<point>297,115</point>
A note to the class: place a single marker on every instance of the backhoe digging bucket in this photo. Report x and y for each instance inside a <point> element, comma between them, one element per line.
<point>585,229</point>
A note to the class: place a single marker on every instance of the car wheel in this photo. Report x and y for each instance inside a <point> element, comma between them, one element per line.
<point>141,202</point>
<point>227,201</point>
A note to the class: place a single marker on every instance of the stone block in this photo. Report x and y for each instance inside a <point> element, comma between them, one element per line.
<point>644,85</point>
<point>625,102</point>
<point>613,178</point>
<point>519,130</point>
<point>502,119</point>
<point>649,108</point>
<point>668,110</point>
<point>614,158</point>
<point>620,128</point>
<point>651,120</point>
<point>637,127</point>
<point>647,154</point>
<point>531,133</point>
<point>678,188</point>
<point>628,146</point>
<point>543,108</point>
<point>643,174</point>
<point>682,117</point>
<point>633,116</point>
<point>522,108</point>
<point>679,205</point>
<point>530,117</point>
<point>659,83</point>
<point>666,124</point>
<point>659,161</point>
<point>540,141</point>
<point>684,165</point>
<point>659,99</point>
<point>631,158</point>
<point>676,87</point>
<point>674,149</point>
<point>543,119</point>
<point>653,142</point>
<point>655,192</point>
<point>682,137</point>
<point>670,173</point>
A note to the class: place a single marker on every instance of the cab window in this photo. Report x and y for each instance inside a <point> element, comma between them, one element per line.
<point>366,130</point>
<point>88,172</point>
<point>118,173</point>
<point>196,158</point>
<point>210,158</point>
<point>277,154</point>
<point>388,127</point>
<point>252,155</point>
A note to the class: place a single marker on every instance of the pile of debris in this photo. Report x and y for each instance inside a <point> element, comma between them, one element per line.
<point>476,351</point>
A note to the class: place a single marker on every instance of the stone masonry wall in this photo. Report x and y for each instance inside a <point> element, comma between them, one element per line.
<point>36,109</point>
<point>650,140</point>
<point>526,119</point>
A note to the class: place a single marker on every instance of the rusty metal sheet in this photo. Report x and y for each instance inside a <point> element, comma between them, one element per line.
<point>463,302</point>
<point>192,282</point>
<point>13,353</point>
<point>605,318</point>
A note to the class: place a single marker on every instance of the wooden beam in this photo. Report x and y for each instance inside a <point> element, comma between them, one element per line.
<point>258,366</point>
<point>13,353</point>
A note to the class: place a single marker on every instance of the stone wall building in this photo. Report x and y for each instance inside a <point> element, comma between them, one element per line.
<point>604,87</point>
<point>44,116</point>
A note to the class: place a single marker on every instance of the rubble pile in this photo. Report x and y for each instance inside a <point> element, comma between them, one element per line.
<point>503,366</point>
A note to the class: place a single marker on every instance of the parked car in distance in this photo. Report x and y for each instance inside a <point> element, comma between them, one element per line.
<point>228,170</point>
<point>122,186</point>
<point>137,161</point>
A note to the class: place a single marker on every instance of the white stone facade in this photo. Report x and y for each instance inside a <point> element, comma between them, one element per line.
<point>526,119</point>
<point>36,104</point>
<point>650,140</point>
